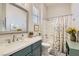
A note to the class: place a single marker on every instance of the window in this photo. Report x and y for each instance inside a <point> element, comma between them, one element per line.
<point>35,15</point>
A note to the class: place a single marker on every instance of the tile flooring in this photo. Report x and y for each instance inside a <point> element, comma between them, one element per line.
<point>53,54</point>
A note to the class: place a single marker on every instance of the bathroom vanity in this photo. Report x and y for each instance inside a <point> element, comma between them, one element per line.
<point>26,47</point>
<point>31,50</point>
<point>72,48</point>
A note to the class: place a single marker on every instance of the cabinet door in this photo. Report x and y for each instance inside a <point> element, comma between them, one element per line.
<point>35,45</point>
<point>23,52</point>
<point>73,52</point>
<point>37,51</point>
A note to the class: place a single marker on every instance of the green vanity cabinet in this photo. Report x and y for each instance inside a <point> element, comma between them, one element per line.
<point>72,48</point>
<point>34,49</point>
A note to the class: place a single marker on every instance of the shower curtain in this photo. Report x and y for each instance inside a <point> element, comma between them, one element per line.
<point>58,26</point>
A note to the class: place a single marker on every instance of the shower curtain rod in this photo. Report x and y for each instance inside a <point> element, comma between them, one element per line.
<point>60,16</point>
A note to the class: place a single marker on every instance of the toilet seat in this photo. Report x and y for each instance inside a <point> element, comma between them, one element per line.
<point>46,44</point>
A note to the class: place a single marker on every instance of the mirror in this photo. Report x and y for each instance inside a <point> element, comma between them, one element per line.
<point>2,16</point>
<point>13,18</point>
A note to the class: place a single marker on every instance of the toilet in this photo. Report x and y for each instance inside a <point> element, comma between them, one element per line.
<point>45,47</point>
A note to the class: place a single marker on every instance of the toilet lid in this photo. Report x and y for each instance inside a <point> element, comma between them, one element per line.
<point>46,44</point>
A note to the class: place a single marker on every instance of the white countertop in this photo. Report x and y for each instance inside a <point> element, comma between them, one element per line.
<point>73,45</point>
<point>8,49</point>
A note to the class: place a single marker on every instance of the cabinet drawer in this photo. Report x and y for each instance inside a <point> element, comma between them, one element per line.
<point>36,44</point>
<point>23,52</point>
<point>30,54</point>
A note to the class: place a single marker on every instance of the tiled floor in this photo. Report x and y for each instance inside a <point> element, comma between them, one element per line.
<point>53,54</point>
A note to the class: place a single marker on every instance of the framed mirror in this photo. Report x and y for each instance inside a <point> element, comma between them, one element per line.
<point>14,18</point>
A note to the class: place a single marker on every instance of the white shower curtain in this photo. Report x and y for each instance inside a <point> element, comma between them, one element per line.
<point>58,29</point>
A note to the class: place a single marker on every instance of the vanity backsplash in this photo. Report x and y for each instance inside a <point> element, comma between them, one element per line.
<point>11,38</point>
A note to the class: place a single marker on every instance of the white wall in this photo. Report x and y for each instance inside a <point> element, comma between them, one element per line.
<point>58,9</point>
<point>30,22</point>
<point>43,18</point>
<point>75,12</point>
<point>42,12</point>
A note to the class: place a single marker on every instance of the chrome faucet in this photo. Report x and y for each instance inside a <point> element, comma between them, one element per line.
<point>13,38</point>
<point>17,39</point>
<point>22,35</point>
<point>8,40</point>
